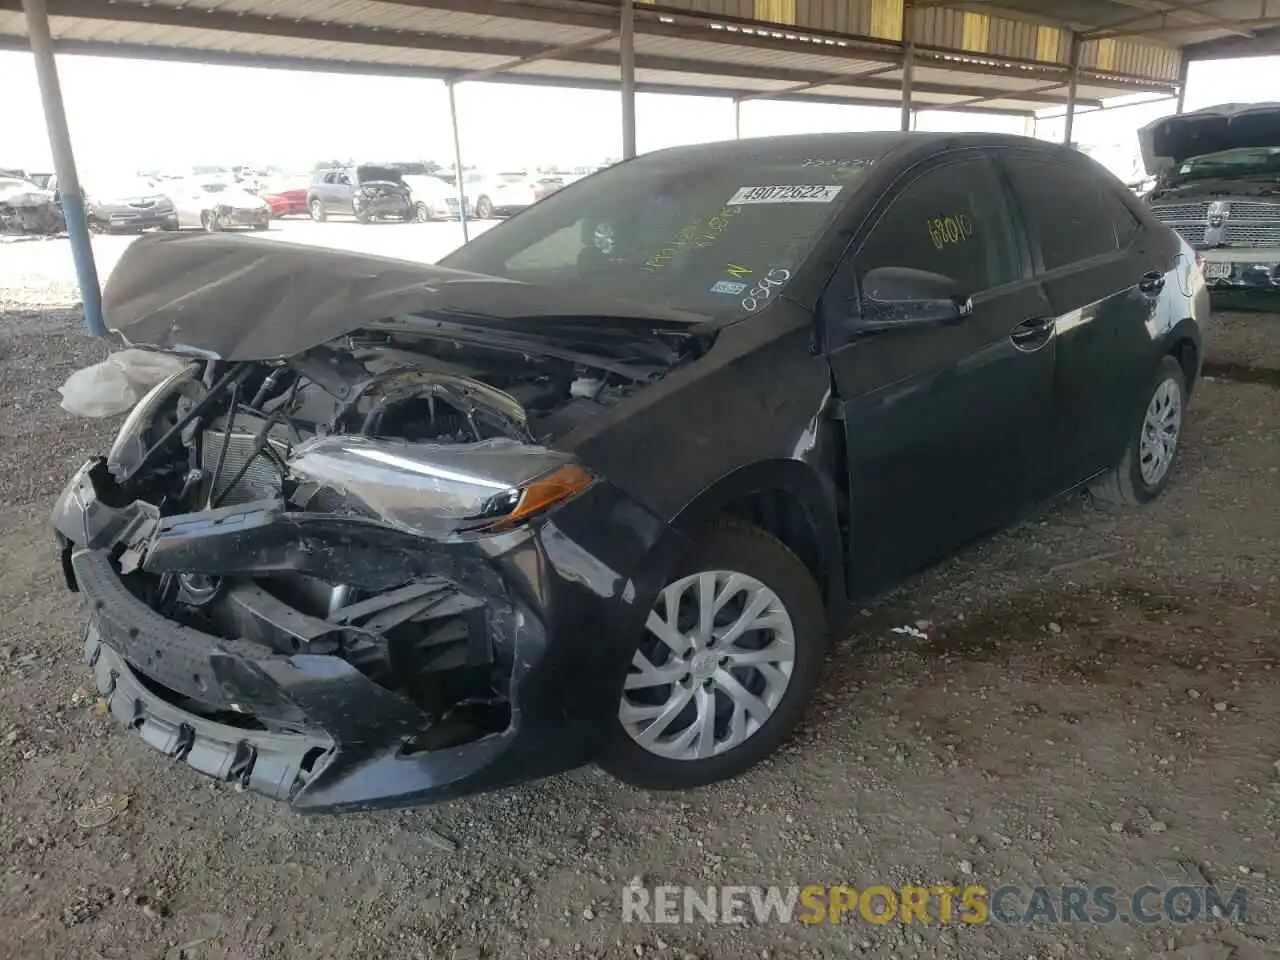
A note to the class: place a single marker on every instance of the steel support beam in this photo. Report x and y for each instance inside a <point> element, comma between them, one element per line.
<point>457,163</point>
<point>551,53</point>
<point>627,62</point>
<point>1073,79</point>
<point>737,118</point>
<point>908,61</point>
<point>1183,70</point>
<point>64,164</point>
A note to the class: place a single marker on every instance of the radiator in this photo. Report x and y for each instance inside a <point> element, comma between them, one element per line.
<point>261,480</point>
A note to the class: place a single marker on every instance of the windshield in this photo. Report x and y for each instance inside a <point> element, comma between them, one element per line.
<point>371,173</point>
<point>702,233</point>
<point>1243,162</point>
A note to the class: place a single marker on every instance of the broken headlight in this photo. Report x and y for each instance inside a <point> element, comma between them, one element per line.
<point>438,489</point>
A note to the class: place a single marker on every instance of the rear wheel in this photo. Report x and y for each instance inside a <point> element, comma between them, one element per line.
<point>421,212</point>
<point>317,211</point>
<point>729,658</point>
<point>1147,464</point>
<point>210,222</point>
<point>484,208</point>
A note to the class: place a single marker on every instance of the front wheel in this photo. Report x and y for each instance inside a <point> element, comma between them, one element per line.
<point>1147,464</point>
<point>484,208</point>
<point>317,211</point>
<point>421,212</point>
<point>210,222</point>
<point>727,663</point>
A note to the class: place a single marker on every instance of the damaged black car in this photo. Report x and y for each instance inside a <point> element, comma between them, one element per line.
<point>596,487</point>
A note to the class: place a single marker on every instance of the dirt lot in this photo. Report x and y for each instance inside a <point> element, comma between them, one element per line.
<point>1099,704</point>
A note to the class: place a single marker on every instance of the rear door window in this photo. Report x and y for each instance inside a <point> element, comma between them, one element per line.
<point>1071,212</point>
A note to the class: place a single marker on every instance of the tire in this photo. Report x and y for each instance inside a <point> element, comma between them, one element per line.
<point>421,212</point>
<point>1136,479</point>
<point>262,226</point>
<point>728,548</point>
<point>484,208</point>
<point>363,217</point>
<point>210,223</point>
<point>317,210</point>
<point>96,225</point>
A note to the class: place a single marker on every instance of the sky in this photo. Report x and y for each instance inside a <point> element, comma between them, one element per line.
<point>128,115</point>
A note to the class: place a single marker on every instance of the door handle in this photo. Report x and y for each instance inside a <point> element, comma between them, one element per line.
<point>1152,282</point>
<point>1032,334</point>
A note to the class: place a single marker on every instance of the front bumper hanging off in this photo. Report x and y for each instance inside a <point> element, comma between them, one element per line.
<point>565,597</point>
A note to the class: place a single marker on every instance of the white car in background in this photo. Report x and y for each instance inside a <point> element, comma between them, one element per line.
<point>497,195</point>
<point>433,198</point>
<point>215,205</point>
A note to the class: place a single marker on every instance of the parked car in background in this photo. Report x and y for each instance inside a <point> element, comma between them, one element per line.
<point>126,203</point>
<point>367,192</point>
<point>446,547</point>
<point>496,195</point>
<point>215,205</point>
<point>1218,185</point>
<point>545,186</point>
<point>433,198</point>
<point>27,208</point>
<point>287,198</point>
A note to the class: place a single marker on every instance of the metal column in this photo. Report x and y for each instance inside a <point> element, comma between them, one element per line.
<point>908,61</point>
<point>627,62</point>
<point>737,119</point>
<point>1073,78</point>
<point>457,162</point>
<point>1182,84</point>
<point>64,164</point>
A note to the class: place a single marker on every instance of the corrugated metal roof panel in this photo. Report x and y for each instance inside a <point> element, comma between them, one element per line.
<point>433,34</point>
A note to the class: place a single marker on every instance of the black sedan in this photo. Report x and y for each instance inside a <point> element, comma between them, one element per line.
<point>594,488</point>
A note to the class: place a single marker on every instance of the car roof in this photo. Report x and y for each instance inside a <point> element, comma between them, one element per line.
<point>867,145</point>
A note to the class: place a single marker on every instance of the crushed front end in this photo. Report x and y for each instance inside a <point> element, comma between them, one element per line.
<point>349,580</point>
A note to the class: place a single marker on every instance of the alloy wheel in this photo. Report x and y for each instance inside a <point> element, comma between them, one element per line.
<point>714,663</point>
<point>1160,429</point>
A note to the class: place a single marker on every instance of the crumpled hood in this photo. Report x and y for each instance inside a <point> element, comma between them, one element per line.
<point>237,198</point>
<point>1228,126</point>
<point>249,298</point>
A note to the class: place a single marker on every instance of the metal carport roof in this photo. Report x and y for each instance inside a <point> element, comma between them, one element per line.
<point>981,57</point>
<point>1007,56</point>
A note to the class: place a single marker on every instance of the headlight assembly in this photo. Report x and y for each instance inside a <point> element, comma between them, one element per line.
<point>431,488</point>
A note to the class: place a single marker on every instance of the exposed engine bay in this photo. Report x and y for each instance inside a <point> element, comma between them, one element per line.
<point>355,431</point>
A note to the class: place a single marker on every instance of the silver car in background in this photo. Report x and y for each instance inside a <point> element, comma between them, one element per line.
<point>129,204</point>
<point>215,205</point>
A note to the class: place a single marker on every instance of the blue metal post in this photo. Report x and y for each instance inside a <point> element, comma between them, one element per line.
<point>64,164</point>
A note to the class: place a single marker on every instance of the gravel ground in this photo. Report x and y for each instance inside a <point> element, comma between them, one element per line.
<point>1096,703</point>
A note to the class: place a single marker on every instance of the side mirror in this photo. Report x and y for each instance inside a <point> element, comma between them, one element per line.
<point>896,298</point>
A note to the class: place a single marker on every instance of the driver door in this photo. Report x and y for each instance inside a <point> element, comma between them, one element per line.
<point>947,425</point>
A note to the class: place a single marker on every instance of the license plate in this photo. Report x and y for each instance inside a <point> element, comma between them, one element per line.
<point>1217,271</point>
